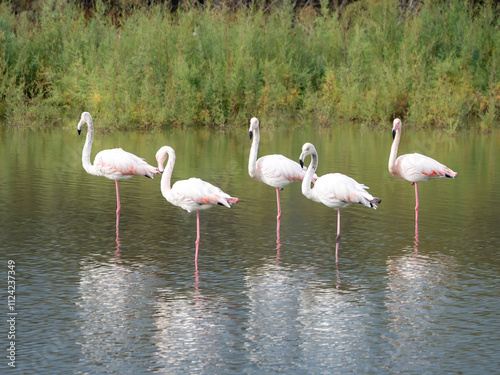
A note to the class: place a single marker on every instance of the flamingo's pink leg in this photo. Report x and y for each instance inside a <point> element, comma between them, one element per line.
<point>118,210</point>
<point>416,206</point>
<point>337,240</point>
<point>197,236</point>
<point>416,196</point>
<point>416,220</point>
<point>118,206</point>
<point>278,218</point>
<point>278,222</point>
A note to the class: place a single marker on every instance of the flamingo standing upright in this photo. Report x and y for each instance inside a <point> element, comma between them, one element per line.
<point>193,194</point>
<point>414,167</point>
<point>274,170</point>
<point>115,164</point>
<point>334,190</point>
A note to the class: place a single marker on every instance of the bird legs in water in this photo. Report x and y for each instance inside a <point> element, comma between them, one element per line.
<point>416,196</point>
<point>118,205</point>
<point>197,237</point>
<point>278,218</point>
<point>118,208</point>
<point>416,217</point>
<point>337,240</point>
<point>416,205</point>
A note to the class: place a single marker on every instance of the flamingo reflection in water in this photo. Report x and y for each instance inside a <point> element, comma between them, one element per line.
<point>414,168</point>
<point>115,164</point>
<point>417,301</point>
<point>191,195</point>
<point>274,170</point>
<point>334,190</point>
<point>118,244</point>
<point>415,243</point>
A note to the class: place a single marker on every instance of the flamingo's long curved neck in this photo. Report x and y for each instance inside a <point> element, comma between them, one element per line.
<point>306,182</point>
<point>87,149</point>
<point>394,154</point>
<point>167,174</point>
<point>252,160</point>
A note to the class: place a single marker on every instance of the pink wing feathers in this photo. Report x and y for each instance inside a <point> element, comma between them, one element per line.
<point>279,171</point>
<point>117,164</point>
<point>416,168</point>
<point>195,194</point>
<point>339,191</point>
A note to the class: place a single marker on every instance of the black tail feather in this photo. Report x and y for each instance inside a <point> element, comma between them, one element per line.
<point>375,201</point>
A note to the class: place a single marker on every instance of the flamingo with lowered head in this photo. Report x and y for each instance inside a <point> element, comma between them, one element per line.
<point>115,164</point>
<point>334,190</point>
<point>193,194</point>
<point>274,170</point>
<point>414,167</point>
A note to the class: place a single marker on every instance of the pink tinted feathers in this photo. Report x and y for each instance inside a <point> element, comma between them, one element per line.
<point>117,163</point>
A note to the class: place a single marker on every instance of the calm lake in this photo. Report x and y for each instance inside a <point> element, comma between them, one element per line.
<point>91,302</point>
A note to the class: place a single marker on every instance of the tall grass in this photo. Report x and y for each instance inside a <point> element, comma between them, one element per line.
<point>208,66</point>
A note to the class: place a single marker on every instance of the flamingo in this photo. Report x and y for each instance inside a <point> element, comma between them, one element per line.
<point>274,170</point>
<point>334,190</point>
<point>115,164</point>
<point>414,167</point>
<point>193,194</point>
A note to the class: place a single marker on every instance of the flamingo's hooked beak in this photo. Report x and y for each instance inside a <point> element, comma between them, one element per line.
<point>79,131</point>
<point>250,133</point>
<point>301,163</point>
<point>393,133</point>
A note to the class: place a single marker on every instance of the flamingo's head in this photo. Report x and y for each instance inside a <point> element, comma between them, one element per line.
<point>307,149</point>
<point>254,125</point>
<point>85,118</point>
<point>162,155</point>
<point>396,125</point>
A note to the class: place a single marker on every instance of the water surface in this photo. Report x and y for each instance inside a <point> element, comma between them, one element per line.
<point>90,302</point>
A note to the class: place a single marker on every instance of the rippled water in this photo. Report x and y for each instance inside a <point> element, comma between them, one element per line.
<point>89,302</point>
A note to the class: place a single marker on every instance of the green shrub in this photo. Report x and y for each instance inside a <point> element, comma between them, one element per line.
<point>146,67</point>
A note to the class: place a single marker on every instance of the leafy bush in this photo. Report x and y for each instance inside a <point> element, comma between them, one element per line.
<point>148,67</point>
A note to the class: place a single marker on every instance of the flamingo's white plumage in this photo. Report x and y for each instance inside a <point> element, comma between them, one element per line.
<point>115,164</point>
<point>414,167</point>
<point>191,195</point>
<point>274,170</point>
<point>334,190</point>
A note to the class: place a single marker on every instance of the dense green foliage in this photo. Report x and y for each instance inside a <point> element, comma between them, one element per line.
<point>214,66</point>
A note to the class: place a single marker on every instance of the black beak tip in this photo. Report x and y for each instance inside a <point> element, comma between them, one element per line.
<point>393,134</point>
<point>301,163</point>
<point>79,131</point>
<point>250,134</point>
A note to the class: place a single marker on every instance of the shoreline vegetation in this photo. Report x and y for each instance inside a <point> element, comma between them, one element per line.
<point>218,64</point>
